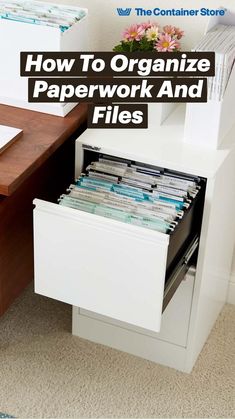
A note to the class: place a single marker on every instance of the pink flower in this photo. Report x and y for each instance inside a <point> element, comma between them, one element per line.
<point>166,43</point>
<point>179,33</point>
<point>147,25</point>
<point>170,30</point>
<point>173,31</point>
<point>133,33</point>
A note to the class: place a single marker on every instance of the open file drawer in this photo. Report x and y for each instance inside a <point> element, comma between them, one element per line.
<point>119,270</point>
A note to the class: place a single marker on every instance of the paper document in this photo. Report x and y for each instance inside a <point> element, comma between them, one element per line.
<point>8,135</point>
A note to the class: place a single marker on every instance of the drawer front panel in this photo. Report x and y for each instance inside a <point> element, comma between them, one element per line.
<point>100,265</point>
<point>176,313</point>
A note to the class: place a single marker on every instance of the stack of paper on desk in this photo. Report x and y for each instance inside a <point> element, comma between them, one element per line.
<point>8,135</point>
<point>135,194</point>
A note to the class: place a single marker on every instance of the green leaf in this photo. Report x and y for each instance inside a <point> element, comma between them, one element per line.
<point>146,45</point>
<point>118,48</point>
<point>133,46</point>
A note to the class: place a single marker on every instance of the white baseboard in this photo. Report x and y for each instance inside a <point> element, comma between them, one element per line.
<point>231,291</point>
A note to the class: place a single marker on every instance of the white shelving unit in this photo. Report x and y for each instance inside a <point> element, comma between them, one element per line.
<point>114,274</point>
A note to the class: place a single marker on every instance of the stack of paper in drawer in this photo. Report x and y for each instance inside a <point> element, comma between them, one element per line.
<point>132,193</point>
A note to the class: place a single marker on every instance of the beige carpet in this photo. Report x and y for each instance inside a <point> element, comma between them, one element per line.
<point>47,373</point>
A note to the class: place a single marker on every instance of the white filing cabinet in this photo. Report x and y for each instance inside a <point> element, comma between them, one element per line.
<point>132,288</point>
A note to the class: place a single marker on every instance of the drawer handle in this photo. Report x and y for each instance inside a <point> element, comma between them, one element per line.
<point>90,147</point>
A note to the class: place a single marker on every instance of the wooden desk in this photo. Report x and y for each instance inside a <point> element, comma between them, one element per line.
<point>39,164</point>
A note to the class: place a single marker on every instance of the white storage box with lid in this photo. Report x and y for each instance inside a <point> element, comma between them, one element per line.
<point>208,123</point>
<point>117,275</point>
<point>15,37</point>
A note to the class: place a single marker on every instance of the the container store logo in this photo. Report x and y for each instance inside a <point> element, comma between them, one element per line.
<point>140,11</point>
<point>124,12</point>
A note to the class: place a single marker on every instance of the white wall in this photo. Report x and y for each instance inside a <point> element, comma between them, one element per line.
<point>105,28</point>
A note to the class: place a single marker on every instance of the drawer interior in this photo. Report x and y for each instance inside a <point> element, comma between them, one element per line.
<point>182,237</point>
<point>192,213</point>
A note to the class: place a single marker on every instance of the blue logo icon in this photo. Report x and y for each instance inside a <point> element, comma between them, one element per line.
<point>124,12</point>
